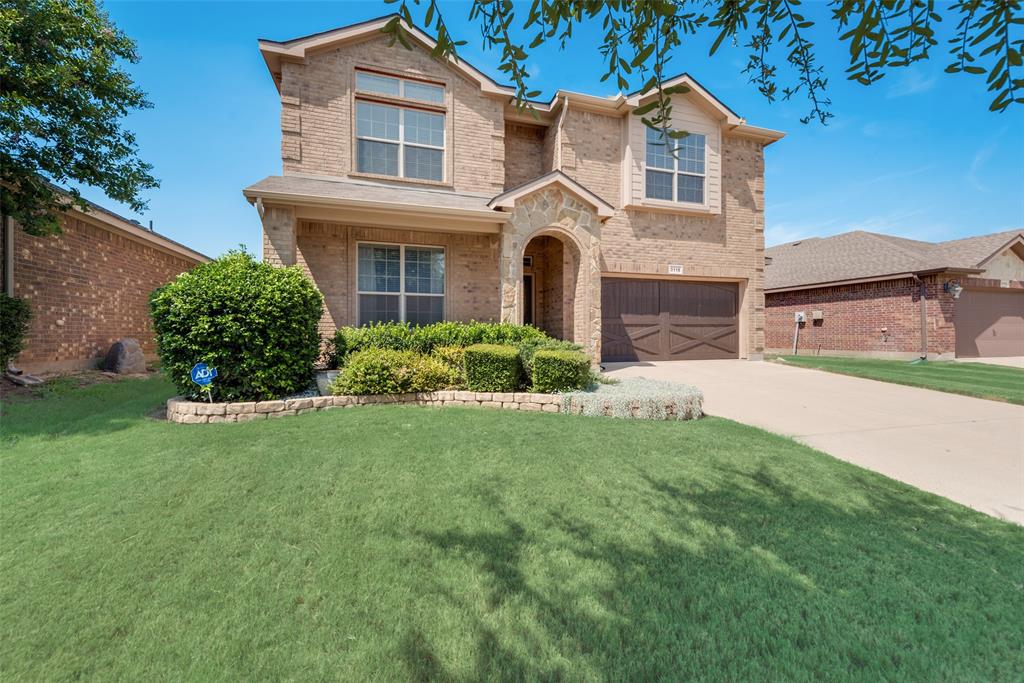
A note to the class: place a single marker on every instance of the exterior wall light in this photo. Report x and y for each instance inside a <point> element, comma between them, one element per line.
<point>953,288</point>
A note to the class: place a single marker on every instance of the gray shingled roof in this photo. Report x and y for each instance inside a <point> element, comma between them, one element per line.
<point>369,192</point>
<point>859,255</point>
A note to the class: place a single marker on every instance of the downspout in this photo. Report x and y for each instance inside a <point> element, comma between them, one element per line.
<point>557,156</point>
<point>924,317</point>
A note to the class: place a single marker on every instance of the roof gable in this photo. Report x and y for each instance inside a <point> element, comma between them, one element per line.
<point>298,48</point>
<point>507,199</point>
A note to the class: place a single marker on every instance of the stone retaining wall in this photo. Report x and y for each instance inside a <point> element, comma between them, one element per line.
<point>195,412</point>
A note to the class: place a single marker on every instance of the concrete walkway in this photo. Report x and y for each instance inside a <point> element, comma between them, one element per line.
<point>966,449</point>
<point>1008,361</point>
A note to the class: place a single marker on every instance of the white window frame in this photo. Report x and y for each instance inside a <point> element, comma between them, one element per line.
<point>675,172</point>
<point>401,293</point>
<point>402,104</point>
<point>402,143</point>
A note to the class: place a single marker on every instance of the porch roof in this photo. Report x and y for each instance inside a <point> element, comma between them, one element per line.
<point>356,194</point>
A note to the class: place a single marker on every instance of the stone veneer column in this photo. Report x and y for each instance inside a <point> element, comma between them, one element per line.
<point>552,211</point>
<point>279,235</point>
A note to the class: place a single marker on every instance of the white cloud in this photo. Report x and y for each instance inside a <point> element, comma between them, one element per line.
<point>911,82</point>
<point>978,162</point>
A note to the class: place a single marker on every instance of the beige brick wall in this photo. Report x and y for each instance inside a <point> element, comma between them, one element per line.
<point>327,252</point>
<point>728,245</point>
<point>524,153</point>
<point>317,115</point>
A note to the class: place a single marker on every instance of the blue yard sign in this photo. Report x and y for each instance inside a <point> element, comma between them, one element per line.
<point>202,374</point>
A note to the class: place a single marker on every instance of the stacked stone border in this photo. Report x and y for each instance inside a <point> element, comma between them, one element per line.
<point>194,412</point>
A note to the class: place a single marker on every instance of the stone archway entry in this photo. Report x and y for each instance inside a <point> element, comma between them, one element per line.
<point>554,221</point>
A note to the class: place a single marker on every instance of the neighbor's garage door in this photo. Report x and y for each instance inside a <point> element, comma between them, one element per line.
<point>668,320</point>
<point>989,323</point>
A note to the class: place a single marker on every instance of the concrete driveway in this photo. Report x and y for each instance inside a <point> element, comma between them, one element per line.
<point>966,449</point>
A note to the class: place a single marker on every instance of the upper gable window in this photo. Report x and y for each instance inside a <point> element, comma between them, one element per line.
<point>399,87</point>
<point>678,177</point>
<point>399,139</point>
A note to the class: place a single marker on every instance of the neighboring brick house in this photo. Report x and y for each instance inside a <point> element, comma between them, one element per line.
<point>864,294</point>
<point>414,190</point>
<point>88,286</point>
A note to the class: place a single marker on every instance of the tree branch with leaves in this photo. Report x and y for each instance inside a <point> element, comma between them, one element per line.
<point>63,94</point>
<point>641,36</point>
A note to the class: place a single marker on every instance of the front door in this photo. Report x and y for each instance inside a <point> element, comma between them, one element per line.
<point>527,299</point>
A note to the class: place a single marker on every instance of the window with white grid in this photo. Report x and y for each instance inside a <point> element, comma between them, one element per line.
<point>400,283</point>
<point>676,168</point>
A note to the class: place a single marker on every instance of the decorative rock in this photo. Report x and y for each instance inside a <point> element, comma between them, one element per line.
<point>193,419</point>
<point>242,408</point>
<point>124,357</point>
<point>465,396</point>
<point>282,413</point>
<point>502,397</point>
<point>222,418</point>
<point>551,408</point>
<point>249,417</point>
<point>298,403</point>
<point>323,401</point>
<point>210,408</point>
<point>529,406</point>
<point>269,406</point>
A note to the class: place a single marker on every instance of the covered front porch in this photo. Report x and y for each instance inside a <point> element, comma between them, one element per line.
<point>380,253</point>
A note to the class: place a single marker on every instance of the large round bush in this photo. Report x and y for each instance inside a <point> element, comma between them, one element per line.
<point>255,323</point>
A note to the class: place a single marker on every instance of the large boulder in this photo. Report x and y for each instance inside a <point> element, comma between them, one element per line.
<point>125,357</point>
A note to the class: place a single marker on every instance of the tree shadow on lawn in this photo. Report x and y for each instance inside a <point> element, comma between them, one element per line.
<point>745,578</point>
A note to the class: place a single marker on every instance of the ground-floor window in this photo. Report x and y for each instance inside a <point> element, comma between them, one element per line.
<point>400,283</point>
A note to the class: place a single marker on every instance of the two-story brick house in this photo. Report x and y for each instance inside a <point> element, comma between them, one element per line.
<point>414,190</point>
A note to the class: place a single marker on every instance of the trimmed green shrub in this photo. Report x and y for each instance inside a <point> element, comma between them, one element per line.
<point>529,347</point>
<point>386,371</point>
<point>424,339</point>
<point>255,323</point>
<point>452,356</point>
<point>560,370</point>
<point>492,367</point>
<point>15,315</point>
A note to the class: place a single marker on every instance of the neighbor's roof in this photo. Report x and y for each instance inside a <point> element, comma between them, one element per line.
<point>861,255</point>
<point>107,219</point>
<point>297,49</point>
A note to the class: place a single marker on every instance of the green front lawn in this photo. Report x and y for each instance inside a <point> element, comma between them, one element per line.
<point>981,380</point>
<point>404,543</point>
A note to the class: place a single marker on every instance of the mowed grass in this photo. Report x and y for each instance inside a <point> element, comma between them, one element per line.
<point>403,543</point>
<point>981,380</point>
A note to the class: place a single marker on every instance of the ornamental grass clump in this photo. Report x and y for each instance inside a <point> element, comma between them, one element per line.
<point>256,324</point>
<point>637,398</point>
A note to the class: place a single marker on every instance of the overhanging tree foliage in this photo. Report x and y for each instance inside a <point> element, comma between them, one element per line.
<point>640,36</point>
<point>63,92</point>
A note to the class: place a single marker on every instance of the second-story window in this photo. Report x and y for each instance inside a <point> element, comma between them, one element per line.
<point>396,140</point>
<point>679,176</point>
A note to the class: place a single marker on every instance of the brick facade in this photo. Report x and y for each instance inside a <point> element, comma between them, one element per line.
<point>872,318</point>
<point>88,287</point>
<point>600,148</point>
<point>327,252</point>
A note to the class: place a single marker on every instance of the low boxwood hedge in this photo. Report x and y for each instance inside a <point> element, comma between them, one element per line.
<point>424,339</point>
<point>386,371</point>
<point>492,367</point>
<point>558,370</point>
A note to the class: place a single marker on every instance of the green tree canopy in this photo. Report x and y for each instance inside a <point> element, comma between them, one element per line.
<point>640,37</point>
<point>63,93</point>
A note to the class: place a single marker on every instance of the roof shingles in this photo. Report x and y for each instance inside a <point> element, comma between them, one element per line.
<point>861,255</point>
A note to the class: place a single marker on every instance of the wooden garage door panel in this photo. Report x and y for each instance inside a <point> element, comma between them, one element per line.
<point>989,323</point>
<point>668,320</point>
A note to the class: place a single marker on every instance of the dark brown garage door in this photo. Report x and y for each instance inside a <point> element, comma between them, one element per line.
<point>989,323</point>
<point>668,320</point>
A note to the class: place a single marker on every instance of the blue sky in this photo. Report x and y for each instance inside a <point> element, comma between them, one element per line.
<point>917,155</point>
